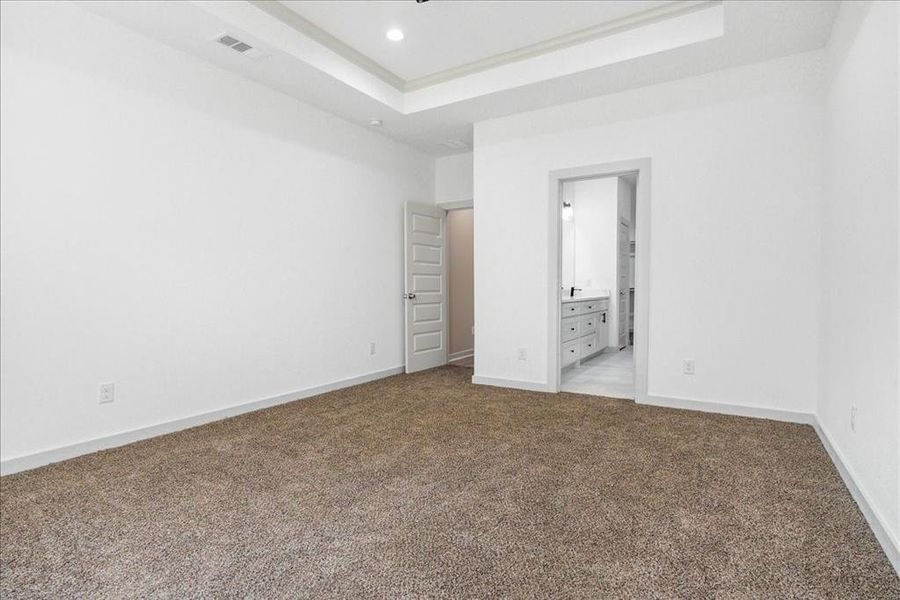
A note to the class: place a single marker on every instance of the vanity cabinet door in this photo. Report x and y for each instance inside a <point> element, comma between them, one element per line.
<point>589,323</point>
<point>603,330</point>
<point>569,354</point>
<point>571,328</point>
<point>589,346</point>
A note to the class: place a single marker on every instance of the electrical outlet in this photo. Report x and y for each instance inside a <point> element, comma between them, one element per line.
<point>688,366</point>
<point>371,348</point>
<point>522,354</point>
<point>853,418</point>
<point>107,393</point>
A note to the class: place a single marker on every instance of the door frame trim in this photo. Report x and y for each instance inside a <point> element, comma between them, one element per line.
<point>642,265</point>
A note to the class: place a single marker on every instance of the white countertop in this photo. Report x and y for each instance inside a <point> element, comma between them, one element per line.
<point>566,299</point>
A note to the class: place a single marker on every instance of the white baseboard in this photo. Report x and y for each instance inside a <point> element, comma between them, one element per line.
<point>461,354</point>
<point>738,410</point>
<point>874,518</point>
<point>45,457</point>
<point>889,543</point>
<point>531,386</point>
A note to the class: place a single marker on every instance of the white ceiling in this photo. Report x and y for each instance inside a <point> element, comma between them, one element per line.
<point>302,67</point>
<point>443,35</point>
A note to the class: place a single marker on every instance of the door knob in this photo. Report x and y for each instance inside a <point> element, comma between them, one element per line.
<point>409,296</point>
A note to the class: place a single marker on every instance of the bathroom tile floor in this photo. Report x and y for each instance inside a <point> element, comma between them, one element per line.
<point>609,374</point>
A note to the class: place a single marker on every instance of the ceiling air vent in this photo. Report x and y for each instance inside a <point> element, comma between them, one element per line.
<point>227,40</point>
<point>239,46</point>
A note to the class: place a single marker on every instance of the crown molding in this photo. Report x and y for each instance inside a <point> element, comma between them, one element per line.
<point>302,25</point>
<point>295,21</point>
<point>588,34</point>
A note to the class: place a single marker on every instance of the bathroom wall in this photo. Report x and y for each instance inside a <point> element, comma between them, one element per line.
<point>594,204</point>
<point>567,251</point>
<point>597,205</point>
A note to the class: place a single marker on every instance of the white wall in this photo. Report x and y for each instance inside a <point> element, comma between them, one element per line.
<point>736,187</point>
<point>594,207</point>
<point>196,238</point>
<point>567,251</point>
<point>596,216</point>
<point>453,178</point>
<point>860,306</point>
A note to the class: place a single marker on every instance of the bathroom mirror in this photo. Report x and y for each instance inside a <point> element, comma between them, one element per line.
<point>592,211</point>
<point>567,275</point>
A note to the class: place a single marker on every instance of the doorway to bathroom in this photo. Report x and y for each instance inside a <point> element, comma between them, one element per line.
<point>598,303</point>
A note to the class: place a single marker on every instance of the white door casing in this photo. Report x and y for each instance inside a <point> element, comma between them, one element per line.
<point>426,286</point>
<point>641,166</point>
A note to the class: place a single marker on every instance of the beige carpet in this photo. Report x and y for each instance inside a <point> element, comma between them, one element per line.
<point>428,486</point>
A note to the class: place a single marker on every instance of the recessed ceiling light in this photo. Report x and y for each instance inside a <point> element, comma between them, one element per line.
<point>375,123</point>
<point>395,35</point>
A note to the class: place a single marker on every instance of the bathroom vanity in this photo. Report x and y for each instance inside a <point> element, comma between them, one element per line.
<point>584,330</point>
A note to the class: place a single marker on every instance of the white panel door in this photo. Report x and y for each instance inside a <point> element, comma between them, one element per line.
<point>426,287</point>
<point>623,282</point>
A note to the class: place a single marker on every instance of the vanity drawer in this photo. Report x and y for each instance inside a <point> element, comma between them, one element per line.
<point>589,345</point>
<point>570,309</point>
<point>592,306</point>
<point>588,323</point>
<point>571,328</point>
<point>569,354</point>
